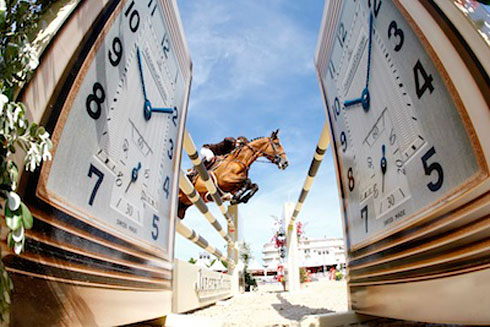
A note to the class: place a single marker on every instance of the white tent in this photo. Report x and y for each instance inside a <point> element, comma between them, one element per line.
<point>202,263</point>
<point>218,266</point>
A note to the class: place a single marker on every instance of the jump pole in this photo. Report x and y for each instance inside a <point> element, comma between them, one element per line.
<point>292,241</point>
<point>189,190</point>
<point>233,248</point>
<point>191,150</point>
<point>197,239</point>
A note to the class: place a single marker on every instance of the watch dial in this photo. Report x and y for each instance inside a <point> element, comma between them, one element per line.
<point>400,140</point>
<point>117,136</point>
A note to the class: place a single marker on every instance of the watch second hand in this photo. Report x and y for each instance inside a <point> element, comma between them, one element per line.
<point>383,167</point>
<point>134,176</point>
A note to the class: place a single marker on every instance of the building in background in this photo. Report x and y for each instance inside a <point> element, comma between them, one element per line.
<point>317,255</point>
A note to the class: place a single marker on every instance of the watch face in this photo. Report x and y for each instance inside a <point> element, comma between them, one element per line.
<point>115,161</point>
<point>401,142</point>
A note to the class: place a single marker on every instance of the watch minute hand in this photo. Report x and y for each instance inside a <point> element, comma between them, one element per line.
<point>369,47</point>
<point>365,97</point>
<point>141,72</point>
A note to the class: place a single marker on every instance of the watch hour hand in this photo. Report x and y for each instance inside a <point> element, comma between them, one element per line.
<point>163,110</point>
<point>148,110</point>
<point>365,100</point>
<point>349,103</point>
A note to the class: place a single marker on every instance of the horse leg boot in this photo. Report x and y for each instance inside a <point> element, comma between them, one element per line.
<point>253,189</point>
<point>238,194</point>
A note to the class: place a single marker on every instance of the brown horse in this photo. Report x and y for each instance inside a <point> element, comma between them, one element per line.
<point>232,173</point>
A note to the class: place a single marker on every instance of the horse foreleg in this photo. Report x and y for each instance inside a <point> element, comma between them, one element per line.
<point>184,203</point>
<point>244,188</point>
<point>253,189</point>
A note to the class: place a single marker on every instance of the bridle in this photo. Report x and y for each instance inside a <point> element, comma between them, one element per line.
<point>275,158</point>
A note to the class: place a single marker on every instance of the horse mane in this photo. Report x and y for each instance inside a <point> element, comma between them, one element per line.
<point>239,149</point>
<point>256,138</point>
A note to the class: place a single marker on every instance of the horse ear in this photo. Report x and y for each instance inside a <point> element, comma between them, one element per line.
<point>274,134</point>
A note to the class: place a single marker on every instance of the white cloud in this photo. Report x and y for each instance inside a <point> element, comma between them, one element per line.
<point>239,46</point>
<point>253,72</point>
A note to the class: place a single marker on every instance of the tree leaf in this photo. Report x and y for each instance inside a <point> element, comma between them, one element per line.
<point>18,234</point>
<point>13,219</point>
<point>26,216</point>
<point>10,240</point>
<point>18,247</point>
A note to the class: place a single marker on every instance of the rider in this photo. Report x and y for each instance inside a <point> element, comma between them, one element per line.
<point>209,151</point>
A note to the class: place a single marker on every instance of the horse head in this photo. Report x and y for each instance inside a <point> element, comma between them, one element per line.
<point>275,152</point>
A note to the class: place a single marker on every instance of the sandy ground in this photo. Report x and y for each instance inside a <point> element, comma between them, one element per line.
<point>269,306</point>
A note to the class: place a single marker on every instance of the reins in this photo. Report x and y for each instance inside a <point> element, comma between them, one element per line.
<point>270,159</point>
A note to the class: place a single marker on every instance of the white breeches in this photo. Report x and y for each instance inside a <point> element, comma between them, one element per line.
<point>207,154</point>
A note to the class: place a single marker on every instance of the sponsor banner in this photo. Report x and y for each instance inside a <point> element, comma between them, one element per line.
<point>195,287</point>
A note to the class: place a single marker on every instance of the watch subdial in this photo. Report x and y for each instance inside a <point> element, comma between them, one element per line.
<point>386,185</point>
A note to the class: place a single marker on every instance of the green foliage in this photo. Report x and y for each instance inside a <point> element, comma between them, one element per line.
<point>245,253</point>
<point>193,261</point>
<point>250,282</point>
<point>18,20</point>
<point>304,275</point>
<point>246,256</point>
<point>339,275</point>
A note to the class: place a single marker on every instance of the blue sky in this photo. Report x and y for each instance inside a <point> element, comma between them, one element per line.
<point>253,72</point>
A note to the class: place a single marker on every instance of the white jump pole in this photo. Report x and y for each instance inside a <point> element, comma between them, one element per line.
<point>197,239</point>
<point>191,150</point>
<point>290,218</point>
<point>189,190</point>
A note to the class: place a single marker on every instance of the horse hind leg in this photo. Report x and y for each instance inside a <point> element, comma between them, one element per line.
<point>182,209</point>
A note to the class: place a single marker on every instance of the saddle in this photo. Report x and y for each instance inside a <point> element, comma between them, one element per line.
<point>210,167</point>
